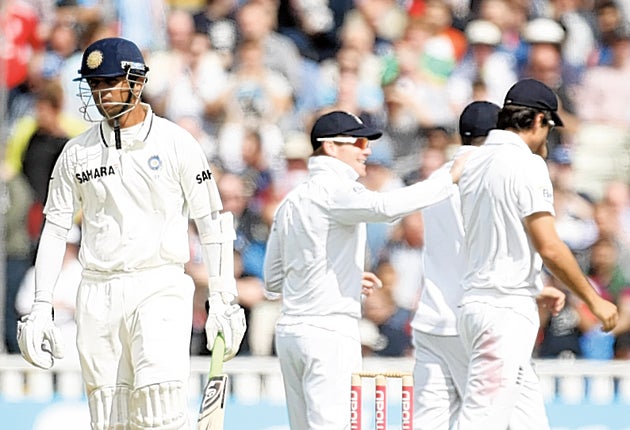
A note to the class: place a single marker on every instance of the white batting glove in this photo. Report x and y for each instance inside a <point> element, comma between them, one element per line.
<point>227,318</point>
<point>38,337</point>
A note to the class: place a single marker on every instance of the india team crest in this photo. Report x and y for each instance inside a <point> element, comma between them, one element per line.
<point>155,163</point>
<point>95,59</point>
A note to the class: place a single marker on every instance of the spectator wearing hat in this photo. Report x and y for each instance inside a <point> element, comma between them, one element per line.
<point>545,63</point>
<point>506,184</point>
<point>315,260</point>
<point>486,72</point>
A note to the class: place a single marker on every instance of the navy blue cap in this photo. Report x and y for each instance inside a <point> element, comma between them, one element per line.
<point>534,94</point>
<point>478,118</point>
<point>339,123</point>
<point>111,57</point>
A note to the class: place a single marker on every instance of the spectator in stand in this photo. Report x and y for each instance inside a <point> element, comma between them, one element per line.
<point>254,97</point>
<point>256,21</point>
<point>609,18</point>
<point>379,177</point>
<point>391,320</point>
<point>217,22</point>
<point>313,25</point>
<point>602,104</point>
<point>404,251</point>
<point>604,94</point>
<point>575,221</point>
<point>429,160</point>
<point>617,198</point>
<point>346,88</point>
<point>580,43</point>
<point>607,278</point>
<point>545,38</point>
<point>35,143</point>
<point>485,63</point>
<point>416,95</point>
<point>257,173</point>
<point>186,77</point>
<point>20,29</point>
<point>297,150</point>
<point>251,229</point>
<point>18,248</point>
<point>560,334</point>
<point>388,19</point>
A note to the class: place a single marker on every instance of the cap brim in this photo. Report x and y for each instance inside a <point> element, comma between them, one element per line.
<point>556,119</point>
<point>369,132</point>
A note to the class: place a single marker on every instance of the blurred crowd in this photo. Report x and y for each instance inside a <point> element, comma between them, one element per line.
<point>247,78</point>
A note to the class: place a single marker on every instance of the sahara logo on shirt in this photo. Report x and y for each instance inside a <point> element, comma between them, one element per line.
<point>206,175</point>
<point>98,172</point>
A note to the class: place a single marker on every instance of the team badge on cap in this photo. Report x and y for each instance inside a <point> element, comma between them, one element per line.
<point>94,60</point>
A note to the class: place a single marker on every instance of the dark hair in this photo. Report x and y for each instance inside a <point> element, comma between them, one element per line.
<point>473,141</point>
<point>519,117</point>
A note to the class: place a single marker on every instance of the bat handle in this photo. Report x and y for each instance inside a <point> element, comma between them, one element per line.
<point>218,353</point>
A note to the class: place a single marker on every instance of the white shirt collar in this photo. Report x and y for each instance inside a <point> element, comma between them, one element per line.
<point>503,137</point>
<point>326,164</point>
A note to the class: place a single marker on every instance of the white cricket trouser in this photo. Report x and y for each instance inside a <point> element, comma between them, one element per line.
<point>316,366</point>
<point>439,376</point>
<point>134,328</point>
<point>502,391</point>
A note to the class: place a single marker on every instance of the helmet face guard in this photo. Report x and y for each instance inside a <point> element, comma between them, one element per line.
<point>94,97</point>
<point>106,59</point>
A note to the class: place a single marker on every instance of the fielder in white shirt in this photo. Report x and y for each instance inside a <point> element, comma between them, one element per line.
<point>508,217</point>
<point>315,258</point>
<point>440,361</point>
<point>135,179</point>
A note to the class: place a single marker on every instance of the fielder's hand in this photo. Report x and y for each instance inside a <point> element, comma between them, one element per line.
<point>227,318</point>
<point>606,312</point>
<point>551,299</point>
<point>458,166</point>
<point>38,337</point>
<point>369,282</point>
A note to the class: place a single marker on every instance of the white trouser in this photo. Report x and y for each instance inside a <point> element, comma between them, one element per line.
<point>502,391</point>
<point>316,366</point>
<point>134,328</point>
<point>439,376</point>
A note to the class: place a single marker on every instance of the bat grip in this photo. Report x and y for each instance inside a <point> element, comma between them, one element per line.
<point>218,353</point>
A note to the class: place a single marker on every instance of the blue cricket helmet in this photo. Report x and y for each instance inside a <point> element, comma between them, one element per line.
<point>111,57</point>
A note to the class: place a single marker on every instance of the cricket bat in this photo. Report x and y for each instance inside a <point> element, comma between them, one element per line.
<point>212,409</point>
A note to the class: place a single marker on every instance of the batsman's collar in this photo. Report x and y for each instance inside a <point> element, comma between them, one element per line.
<point>534,94</point>
<point>339,123</point>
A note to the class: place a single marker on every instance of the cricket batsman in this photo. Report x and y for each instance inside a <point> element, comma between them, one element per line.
<point>136,179</point>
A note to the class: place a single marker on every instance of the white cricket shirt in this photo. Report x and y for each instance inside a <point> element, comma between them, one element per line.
<point>502,183</point>
<point>444,263</point>
<point>316,248</point>
<point>135,202</point>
